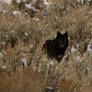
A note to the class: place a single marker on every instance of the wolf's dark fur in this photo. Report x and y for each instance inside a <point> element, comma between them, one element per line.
<point>56,48</point>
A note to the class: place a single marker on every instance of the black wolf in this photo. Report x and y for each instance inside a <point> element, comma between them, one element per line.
<point>56,48</point>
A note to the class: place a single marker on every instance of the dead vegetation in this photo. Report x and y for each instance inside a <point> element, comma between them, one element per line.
<point>21,57</point>
<point>22,81</point>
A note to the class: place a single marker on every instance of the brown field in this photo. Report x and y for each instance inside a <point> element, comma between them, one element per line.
<point>24,67</point>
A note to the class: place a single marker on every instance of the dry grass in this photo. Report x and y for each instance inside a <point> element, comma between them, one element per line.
<point>87,88</point>
<point>22,36</point>
<point>22,81</point>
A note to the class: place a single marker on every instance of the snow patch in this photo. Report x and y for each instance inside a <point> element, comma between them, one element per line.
<point>26,33</point>
<point>16,12</point>
<point>52,63</point>
<point>89,48</point>
<point>24,62</point>
<point>73,50</point>
<point>1,55</point>
<point>18,1</point>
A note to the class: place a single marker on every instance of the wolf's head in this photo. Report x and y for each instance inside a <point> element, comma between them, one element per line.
<point>62,39</point>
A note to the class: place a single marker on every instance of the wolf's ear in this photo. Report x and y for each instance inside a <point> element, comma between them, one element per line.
<point>59,34</point>
<point>66,34</point>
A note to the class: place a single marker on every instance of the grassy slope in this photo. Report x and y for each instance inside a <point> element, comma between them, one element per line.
<point>74,71</point>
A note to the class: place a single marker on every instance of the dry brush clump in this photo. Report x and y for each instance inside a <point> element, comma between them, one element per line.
<point>33,7</point>
<point>67,85</point>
